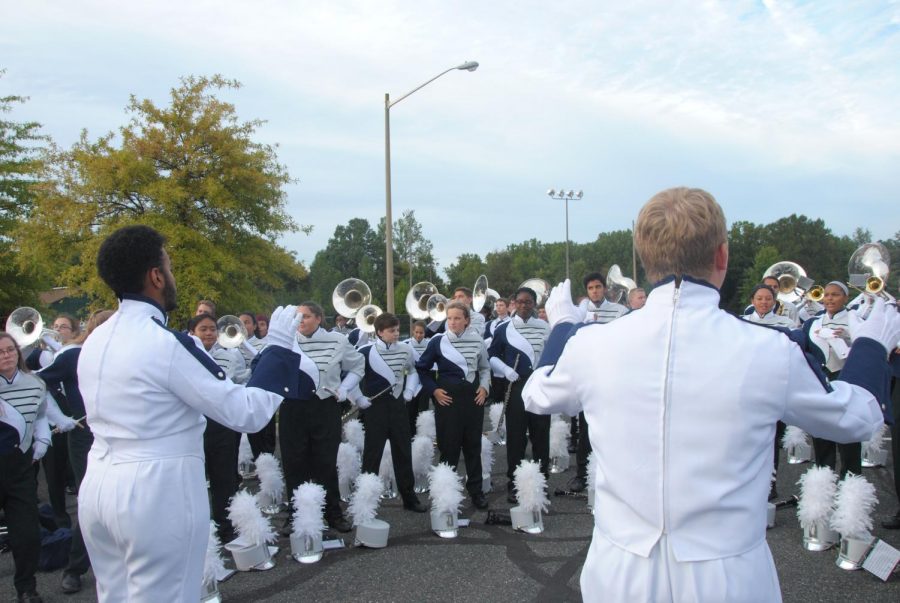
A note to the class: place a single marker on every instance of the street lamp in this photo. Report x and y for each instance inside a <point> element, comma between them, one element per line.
<point>388,225</point>
<point>566,195</point>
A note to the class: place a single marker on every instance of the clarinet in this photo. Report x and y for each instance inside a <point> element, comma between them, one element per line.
<point>506,397</point>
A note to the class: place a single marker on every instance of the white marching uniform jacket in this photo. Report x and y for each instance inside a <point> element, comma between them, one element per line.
<point>333,355</point>
<point>604,312</point>
<point>23,407</point>
<point>143,503</point>
<point>682,427</point>
<point>770,318</point>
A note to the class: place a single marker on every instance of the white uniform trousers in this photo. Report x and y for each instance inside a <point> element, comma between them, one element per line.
<point>610,571</point>
<point>156,512</point>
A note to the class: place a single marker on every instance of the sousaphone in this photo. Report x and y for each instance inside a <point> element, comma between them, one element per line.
<point>232,332</point>
<point>792,281</point>
<point>869,268</point>
<point>540,287</point>
<point>349,296</point>
<point>26,326</point>
<point>618,285</point>
<point>417,300</point>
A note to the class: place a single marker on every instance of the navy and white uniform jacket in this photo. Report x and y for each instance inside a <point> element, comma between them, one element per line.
<point>458,358</point>
<point>518,343</point>
<point>146,388</point>
<point>389,366</point>
<point>830,350</point>
<point>603,313</point>
<point>62,375</point>
<point>491,326</point>
<point>476,324</point>
<point>417,346</point>
<point>357,337</point>
<point>771,318</point>
<point>682,425</point>
<point>23,406</point>
<point>232,361</point>
<point>333,354</point>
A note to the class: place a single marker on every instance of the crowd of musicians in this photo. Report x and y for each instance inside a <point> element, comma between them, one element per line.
<point>456,366</point>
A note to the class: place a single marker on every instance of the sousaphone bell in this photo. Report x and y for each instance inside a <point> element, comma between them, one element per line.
<point>869,268</point>
<point>617,285</point>
<point>417,300</point>
<point>232,332</point>
<point>26,326</point>
<point>541,289</point>
<point>792,281</point>
<point>350,296</point>
<point>365,318</point>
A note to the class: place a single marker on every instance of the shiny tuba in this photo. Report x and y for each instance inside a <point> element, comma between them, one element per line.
<point>869,268</point>
<point>479,293</point>
<point>232,332</point>
<point>792,281</point>
<point>618,285</point>
<point>365,318</point>
<point>437,307</point>
<point>541,289</point>
<point>26,326</point>
<point>350,296</point>
<point>417,300</point>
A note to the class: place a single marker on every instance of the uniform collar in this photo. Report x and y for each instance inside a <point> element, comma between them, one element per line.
<point>453,336</point>
<point>381,345</point>
<point>10,381</point>
<point>133,303</point>
<point>301,337</point>
<point>838,313</point>
<point>692,291</point>
<point>518,320</point>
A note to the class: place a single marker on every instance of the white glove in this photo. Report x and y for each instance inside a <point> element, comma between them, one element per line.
<point>51,343</point>
<point>510,375</point>
<point>40,449</point>
<point>559,305</point>
<point>408,395</point>
<point>64,424</point>
<point>363,403</point>
<point>251,351</point>
<point>341,394</point>
<point>883,325</point>
<point>283,327</point>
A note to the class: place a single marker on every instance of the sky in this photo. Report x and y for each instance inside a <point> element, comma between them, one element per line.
<point>774,107</point>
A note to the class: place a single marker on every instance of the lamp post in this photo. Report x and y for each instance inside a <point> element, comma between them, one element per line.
<point>388,225</point>
<point>566,195</point>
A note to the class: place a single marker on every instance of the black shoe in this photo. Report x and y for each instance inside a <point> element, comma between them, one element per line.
<point>29,597</point>
<point>414,504</point>
<point>577,484</point>
<point>286,530</point>
<point>480,500</point>
<point>71,583</point>
<point>511,497</point>
<point>340,524</point>
<point>573,447</point>
<point>892,522</point>
<point>773,492</point>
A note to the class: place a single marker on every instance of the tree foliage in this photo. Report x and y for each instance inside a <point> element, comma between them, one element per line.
<point>20,166</point>
<point>191,170</point>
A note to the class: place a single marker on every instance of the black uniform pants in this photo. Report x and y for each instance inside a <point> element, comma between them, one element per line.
<point>388,419</point>
<point>521,424</point>
<point>458,427</point>
<point>417,405</point>
<point>309,433</point>
<point>584,446</point>
<point>18,498</point>
<point>851,456</point>
<point>80,441</point>
<point>779,433</point>
<point>264,439</point>
<point>895,437</point>
<point>219,445</point>
<point>56,467</point>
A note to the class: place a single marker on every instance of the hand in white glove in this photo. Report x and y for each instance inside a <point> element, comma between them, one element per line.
<point>510,375</point>
<point>64,424</point>
<point>51,343</point>
<point>283,327</point>
<point>341,394</point>
<point>408,395</point>
<point>883,325</point>
<point>251,351</point>
<point>40,449</point>
<point>559,305</point>
<point>363,403</point>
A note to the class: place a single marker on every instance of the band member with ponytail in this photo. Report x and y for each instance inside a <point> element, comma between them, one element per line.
<point>418,342</point>
<point>389,384</point>
<point>309,427</point>
<point>515,350</point>
<point>459,392</point>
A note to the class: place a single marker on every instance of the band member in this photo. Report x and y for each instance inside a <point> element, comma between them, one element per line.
<point>763,300</point>
<point>597,309</point>
<point>828,339</point>
<point>459,393</point>
<point>143,504</point>
<point>781,308</point>
<point>382,396</point>
<point>637,297</point>
<point>262,326</point>
<point>309,427</point>
<point>682,439</point>
<point>476,321</point>
<point>515,350</point>
<point>24,438</point>
<point>219,442</point>
<point>62,375</point>
<point>418,342</point>
<point>340,325</point>
<point>206,306</point>
<point>502,311</point>
<point>264,440</point>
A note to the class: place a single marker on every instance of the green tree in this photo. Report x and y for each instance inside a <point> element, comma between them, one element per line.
<point>20,167</point>
<point>765,257</point>
<point>464,272</point>
<point>190,169</point>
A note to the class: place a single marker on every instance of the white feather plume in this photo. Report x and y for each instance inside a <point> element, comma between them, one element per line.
<point>853,506</point>
<point>445,489</point>
<point>817,488</point>
<point>531,486</point>
<point>386,468</point>
<point>214,564</point>
<point>422,455</point>
<point>245,452</point>
<point>592,470</point>
<point>309,509</point>
<point>349,464</point>
<point>487,456</point>
<point>355,434</point>
<point>494,412</point>
<point>559,438</point>
<point>248,520</point>
<point>364,502</point>
<point>876,444</point>
<point>793,436</point>
<point>271,479</point>
<point>425,424</point>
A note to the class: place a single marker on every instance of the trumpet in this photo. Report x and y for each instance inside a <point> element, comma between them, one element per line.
<point>232,332</point>
<point>815,293</point>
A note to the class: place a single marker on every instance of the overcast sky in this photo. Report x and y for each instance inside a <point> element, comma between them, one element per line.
<point>774,107</point>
